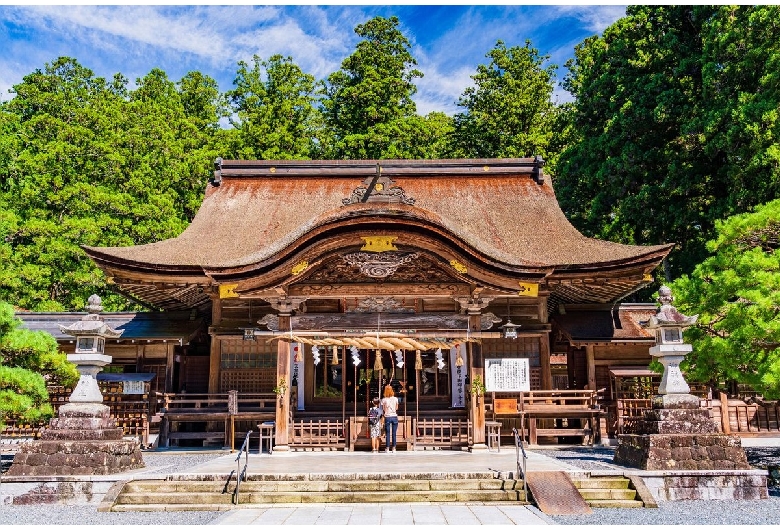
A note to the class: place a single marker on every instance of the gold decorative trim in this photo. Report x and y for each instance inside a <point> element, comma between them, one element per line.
<point>228,290</point>
<point>458,266</point>
<point>528,289</point>
<point>378,243</point>
<point>272,169</point>
<point>299,267</point>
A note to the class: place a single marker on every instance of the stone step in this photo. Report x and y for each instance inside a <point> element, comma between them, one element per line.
<point>159,486</point>
<point>172,507</point>
<point>601,482</point>
<point>615,503</point>
<point>126,501</point>
<point>607,494</point>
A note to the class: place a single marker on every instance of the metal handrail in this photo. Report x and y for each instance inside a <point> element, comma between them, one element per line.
<point>241,473</point>
<point>520,449</point>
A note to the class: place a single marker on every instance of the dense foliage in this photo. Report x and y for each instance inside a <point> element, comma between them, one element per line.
<point>509,112</point>
<point>675,125</point>
<point>736,290</point>
<point>29,360</point>
<point>88,161</point>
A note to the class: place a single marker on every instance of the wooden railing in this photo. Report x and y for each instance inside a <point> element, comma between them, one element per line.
<point>220,413</point>
<point>321,434</point>
<point>558,410</point>
<point>443,433</point>
<point>628,412</point>
<point>747,419</point>
<point>359,432</point>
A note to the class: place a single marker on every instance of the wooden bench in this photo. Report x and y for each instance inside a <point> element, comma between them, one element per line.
<point>555,405</point>
<point>443,433</point>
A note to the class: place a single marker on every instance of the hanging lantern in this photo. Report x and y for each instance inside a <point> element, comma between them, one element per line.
<point>378,361</point>
<point>418,361</point>
<point>335,359</point>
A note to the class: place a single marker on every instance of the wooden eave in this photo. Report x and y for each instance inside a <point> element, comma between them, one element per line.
<point>498,218</point>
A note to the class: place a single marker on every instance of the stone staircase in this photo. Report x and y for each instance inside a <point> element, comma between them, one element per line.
<point>211,493</point>
<point>607,491</point>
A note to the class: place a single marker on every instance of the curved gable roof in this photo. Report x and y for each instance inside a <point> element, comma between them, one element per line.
<point>503,208</point>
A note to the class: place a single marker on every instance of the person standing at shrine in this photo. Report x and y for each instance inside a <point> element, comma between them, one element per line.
<point>390,412</point>
<point>375,425</point>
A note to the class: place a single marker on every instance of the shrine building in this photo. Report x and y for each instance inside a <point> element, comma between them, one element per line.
<point>322,281</point>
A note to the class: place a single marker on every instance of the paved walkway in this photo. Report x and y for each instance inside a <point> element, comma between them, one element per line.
<point>389,514</point>
<point>365,462</point>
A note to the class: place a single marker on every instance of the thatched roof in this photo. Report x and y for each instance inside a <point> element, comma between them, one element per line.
<point>501,211</point>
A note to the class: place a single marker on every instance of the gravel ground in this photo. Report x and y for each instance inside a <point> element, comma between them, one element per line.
<point>669,513</point>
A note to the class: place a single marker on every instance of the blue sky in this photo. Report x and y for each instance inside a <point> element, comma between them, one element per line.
<point>448,41</point>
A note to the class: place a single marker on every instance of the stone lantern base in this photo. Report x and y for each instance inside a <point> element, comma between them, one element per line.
<point>679,438</point>
<point>82,440</point>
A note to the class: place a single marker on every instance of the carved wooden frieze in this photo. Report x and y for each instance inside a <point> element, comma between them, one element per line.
<point>379,289</point>
<point>378,189</point>
<point>394,320</point>
<point>380,264</point>
<point>270,321</point>
<point>374,304</point>
<point>419,270</point>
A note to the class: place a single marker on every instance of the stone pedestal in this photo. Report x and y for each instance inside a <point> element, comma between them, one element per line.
<point>679,439</point>
<point>81,440</point>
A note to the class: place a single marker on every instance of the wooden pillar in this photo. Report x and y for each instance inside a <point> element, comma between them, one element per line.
<point>215,354</point>
<point>590,364</point>
<point>169,360</point>
<point>544,361</point>
<point>477,369</point>
<point>283,401</point>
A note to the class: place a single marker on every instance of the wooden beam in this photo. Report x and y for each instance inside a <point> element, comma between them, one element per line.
<point>283,372</point>
<point>590,358</point>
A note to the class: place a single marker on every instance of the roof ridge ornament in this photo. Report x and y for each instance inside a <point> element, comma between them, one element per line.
<point>538,172</point>
<point>378,189</point>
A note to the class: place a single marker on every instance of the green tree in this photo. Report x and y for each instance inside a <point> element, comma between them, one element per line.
<point>736,292</point>
<point>368,104</point>
<point>29,360</point>
<point>675,125</point>
<point>94,163</point>
<point>509,111</point>
<point>274,105</point>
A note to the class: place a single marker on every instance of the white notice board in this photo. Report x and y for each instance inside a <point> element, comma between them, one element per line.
<point>507,375</point>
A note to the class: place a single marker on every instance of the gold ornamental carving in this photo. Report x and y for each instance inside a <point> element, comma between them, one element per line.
<point>458,266</point>
<point>379,265</point>
<point>300,267</point>
<point>378,243</point>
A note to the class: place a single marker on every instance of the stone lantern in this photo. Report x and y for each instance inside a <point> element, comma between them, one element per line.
<point>89,356</point>
<point>83,439</point>
<point>676,433</point>
<point>670,350</point>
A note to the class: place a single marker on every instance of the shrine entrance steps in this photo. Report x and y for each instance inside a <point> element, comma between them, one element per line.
<point>211,493</point>
<point>559,493</point>
<point>215,492</point>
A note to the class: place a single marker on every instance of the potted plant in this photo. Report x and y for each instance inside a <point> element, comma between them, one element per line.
<point>477,387</point>
<point>281,389</point>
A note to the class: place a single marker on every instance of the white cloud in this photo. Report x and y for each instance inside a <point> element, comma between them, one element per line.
<point>595,18</point>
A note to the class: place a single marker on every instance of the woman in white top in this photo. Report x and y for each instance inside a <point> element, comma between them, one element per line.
<point>390,412</point>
